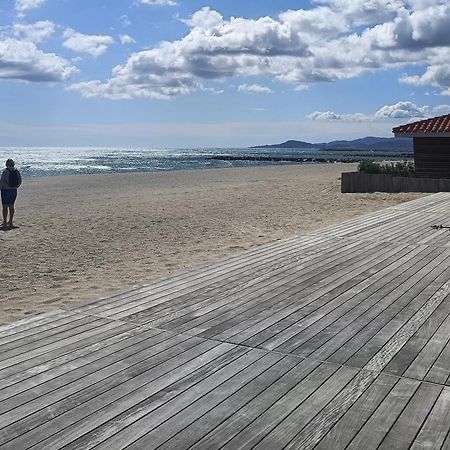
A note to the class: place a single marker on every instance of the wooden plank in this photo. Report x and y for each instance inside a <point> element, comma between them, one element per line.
<point>191,288</point>
<point>437,425</point>
<point>106,347</point>
<point>241,418</point>
<point>389,228</point>
<point>287,429</point>
<point>399,230</point>
<point>369,220</point>
<point>440,371</point>
<point>109,429</point>
<point>383,357</point>
<point>342,433</point>
<point>188,408</point>
<point>19,362</point>
<point>405,429</point>
<point>30,322</point>
<point>188,280</point>
<point>15,333</point>
<point>81,324</point>
<point>323,343</point>
<point>234,401</point>
<point>32,402</point>
<point>431,339</point>
<point>25,342</point>
<point>406,232</point>
<point>54,417</point>
<point>377,427</point>
<point>319,426</point>
<point>403,311</point>
<point>336,303</point>
<point>251,284</point>
<point>281,409</point>
<point>281,329</point>
<point>362,346</point>
<point>412,228</point>
<point>138,414</point>
<point>292,296</point>
<point>212,324</point>
<point>42,363</point>
<point>107,365</point>
<point>301,272</point>
<point>341,302</point>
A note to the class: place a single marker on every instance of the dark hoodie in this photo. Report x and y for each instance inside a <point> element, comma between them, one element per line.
<point>4,179</point>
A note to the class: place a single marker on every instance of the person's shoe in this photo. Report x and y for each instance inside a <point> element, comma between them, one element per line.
<point>3,226</point>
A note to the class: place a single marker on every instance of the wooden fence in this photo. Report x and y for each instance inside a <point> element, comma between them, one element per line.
<point>370,182</point>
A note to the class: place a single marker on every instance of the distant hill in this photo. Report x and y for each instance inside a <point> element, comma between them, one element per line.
<point>369,143</point>
<point>290,144</point>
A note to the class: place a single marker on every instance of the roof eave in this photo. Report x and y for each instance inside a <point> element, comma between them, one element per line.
<point>413,135</point>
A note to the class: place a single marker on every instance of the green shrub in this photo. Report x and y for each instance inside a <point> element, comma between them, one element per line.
<point>401,169</point>
<point>368,166</point>
<point>398,169</point>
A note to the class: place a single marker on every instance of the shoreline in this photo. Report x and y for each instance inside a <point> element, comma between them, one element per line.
<point>79,161</point>
<point>83,237</point>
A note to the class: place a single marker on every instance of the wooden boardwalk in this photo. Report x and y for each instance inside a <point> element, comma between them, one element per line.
<point>339,339</point>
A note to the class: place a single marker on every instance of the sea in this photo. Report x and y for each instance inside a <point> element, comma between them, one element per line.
<point>50,161</point>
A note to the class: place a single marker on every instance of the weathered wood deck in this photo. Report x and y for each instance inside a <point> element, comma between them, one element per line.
<point>337,339</point>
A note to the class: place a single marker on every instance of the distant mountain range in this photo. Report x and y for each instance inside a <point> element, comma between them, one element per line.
<point>369,143</point>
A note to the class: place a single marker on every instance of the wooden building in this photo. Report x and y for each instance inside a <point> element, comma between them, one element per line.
<point>431,138</point>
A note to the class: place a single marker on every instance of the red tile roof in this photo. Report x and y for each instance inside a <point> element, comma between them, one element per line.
<point>435,125</point>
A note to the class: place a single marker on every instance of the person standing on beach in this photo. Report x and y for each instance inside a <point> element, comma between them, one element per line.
<point>9,182</point>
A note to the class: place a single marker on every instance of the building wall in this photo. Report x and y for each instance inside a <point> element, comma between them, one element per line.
<point>432,157</point>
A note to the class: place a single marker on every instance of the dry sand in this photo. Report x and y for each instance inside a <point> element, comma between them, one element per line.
<point>82,237</point>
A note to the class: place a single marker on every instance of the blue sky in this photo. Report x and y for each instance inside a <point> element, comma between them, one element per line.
<point>188,73</point>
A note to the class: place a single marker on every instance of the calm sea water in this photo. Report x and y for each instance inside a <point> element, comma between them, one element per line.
<point>43,161</point>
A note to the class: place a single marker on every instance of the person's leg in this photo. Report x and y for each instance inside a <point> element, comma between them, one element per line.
<point>11,215</point>
<point>5,215</point>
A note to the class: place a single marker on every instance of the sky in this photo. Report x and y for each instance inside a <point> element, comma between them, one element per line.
<point>218,73</point>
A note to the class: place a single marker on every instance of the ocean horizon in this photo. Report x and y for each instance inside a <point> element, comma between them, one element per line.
<point>52,161</point>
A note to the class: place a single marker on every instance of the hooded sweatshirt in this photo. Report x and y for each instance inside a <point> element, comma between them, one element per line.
<point>4,179</point>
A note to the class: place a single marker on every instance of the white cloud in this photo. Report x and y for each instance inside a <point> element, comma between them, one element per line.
<point>255,88</point>
<point>435,75</point>
<point>21,60</point>
<point>126,22</point>
<point>152,87</point>
<point>91,44</point>
<point>335,40</point>
<point>444,109</point>
<point>365,12</point>
<point>330,116</point>
<point>125,39</point>
<point>324,115</point>
<point>401,110</point>
<point>430,25</point>
<point>158,2</point>
<point>36,32</point>
<point>24,5</point>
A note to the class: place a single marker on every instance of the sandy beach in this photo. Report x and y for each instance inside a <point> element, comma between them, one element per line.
<point>83,237</point>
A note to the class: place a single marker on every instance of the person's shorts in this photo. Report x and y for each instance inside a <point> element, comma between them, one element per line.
<point>8,196</point>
